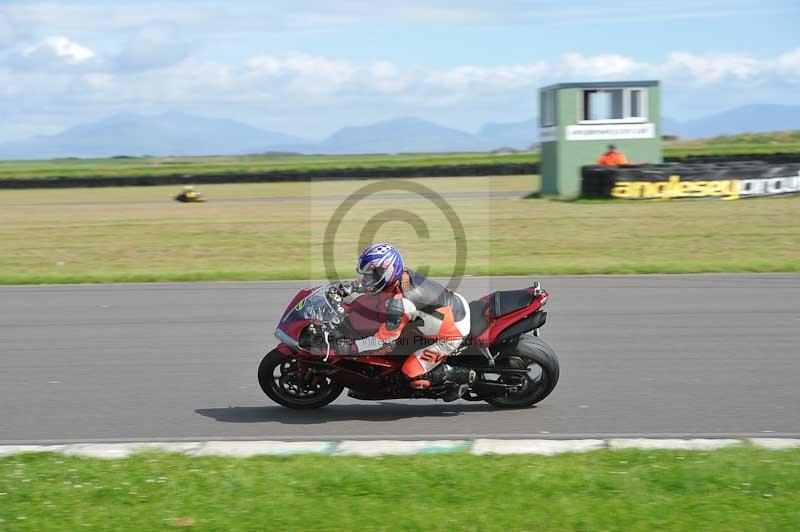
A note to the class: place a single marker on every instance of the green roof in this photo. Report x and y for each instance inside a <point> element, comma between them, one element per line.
<point>602,85</point>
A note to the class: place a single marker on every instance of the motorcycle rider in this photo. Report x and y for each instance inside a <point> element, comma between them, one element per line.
<point>439,314</point>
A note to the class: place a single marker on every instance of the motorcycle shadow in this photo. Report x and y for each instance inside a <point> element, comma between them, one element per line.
<point>334,413</point>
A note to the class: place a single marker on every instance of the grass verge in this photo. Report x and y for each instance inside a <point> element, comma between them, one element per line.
<point>275,231</point>
<point>245,164</point>
<point>750,143</point>
<point>742,488</point>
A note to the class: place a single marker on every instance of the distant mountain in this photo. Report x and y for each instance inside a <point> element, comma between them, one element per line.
<point>407,134</point>
<point>745,119</point>
<point>162,135</point>
<point>519,135</point>
<point>184,134</point>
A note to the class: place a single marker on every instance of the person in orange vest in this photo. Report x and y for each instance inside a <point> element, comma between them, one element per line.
<point>612,157</point>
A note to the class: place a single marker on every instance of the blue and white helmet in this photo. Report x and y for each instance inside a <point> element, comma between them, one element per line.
<point>380,265</point>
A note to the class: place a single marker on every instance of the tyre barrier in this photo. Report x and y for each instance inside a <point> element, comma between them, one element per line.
<point>459,170</point>
<point>726,180</point>
<point>771,158</point>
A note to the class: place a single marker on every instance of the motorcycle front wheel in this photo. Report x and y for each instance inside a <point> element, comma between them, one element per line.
<point>282,380</point>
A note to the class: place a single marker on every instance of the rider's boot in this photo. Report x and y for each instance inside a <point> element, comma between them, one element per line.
<point>456,380</point>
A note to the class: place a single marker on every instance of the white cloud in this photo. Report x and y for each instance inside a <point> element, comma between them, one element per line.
<point>301,64</point>
<point>712,68</point>
<point>465,78</point>
<point>679,68</point>
<point>301,87</point>
<point>599,67</point>
<point>301,74</point>
<point>58,49</point>
<point>787,66</point>
<point>388,77</point>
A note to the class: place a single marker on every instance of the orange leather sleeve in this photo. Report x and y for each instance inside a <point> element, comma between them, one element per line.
<point>389,330</point>
<point>396,320</point>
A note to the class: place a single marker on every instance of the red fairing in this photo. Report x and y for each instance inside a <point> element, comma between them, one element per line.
<point>295,327</point>
<point>285,349</point>
<point>302,294</point>
<point>498,325</point>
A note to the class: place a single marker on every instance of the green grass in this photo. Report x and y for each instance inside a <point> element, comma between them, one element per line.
<point>744,143</point>
<point>740,488</point>
<point>276,231</point>
<point>782,138</point>
<point>248,164</point>
<point>758,143</point>
<point>778,138</point>
<point>686,149</point>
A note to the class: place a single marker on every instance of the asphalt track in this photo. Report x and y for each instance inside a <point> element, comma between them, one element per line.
<point>700,355</point>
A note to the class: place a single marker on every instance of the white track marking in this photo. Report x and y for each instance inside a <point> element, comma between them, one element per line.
<point>123,450</point>
<point>546,447</point>
<point>481,446</point>
<point>384,447</point>
<point>694,444</point>
<point>6,450</point>
<point>254,448</point>
<point>776,443</point>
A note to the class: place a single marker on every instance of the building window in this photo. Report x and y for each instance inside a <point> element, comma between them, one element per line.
<point>547,110</point>
<point>613,105</point>
<point>635,107</point>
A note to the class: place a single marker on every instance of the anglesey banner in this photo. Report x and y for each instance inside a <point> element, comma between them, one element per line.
<point>727,181</point>
<point>723,188</point>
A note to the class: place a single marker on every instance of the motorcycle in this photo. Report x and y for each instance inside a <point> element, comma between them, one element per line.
<point>514,367</point>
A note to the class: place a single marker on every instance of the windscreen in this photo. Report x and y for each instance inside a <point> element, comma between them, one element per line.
<point>315,307</point>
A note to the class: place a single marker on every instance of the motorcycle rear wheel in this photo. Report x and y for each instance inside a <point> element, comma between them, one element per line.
<point>529,351</point>
<point>279,379</point>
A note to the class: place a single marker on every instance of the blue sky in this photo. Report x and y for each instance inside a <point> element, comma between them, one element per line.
<point>309,67</point>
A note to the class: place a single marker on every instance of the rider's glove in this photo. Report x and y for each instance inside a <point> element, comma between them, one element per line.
<point>357,287</point>
<point>346,288</point>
